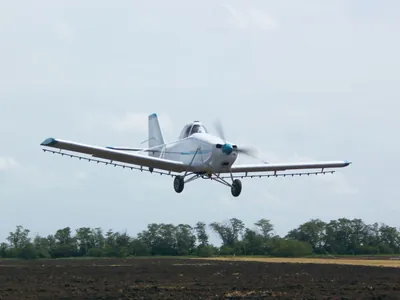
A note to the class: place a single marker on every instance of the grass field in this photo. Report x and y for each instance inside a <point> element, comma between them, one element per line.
<point>376,261</point>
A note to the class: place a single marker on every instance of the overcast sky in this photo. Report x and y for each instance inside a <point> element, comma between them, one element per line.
<point>301,80</point>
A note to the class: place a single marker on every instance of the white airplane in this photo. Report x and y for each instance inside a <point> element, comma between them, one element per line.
<point>196,154</point>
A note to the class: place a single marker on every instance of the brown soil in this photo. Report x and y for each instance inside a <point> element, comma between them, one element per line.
<point>193,279</point>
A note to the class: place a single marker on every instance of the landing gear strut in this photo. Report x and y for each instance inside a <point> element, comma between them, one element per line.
<point>179,181</point>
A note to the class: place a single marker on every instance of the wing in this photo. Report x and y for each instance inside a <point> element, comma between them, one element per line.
<point>112,155</point>
<point>127,149</point>
<point>275,167</point>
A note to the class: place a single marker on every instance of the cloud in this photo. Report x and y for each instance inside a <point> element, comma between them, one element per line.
<point>339,184</point>
<point>7,163</point>
<point>128,122</point>
<point>250,18</point>
<point>81,175</point>
<point>131,121</point>
<point>63,31</point>
<point>32,176</point>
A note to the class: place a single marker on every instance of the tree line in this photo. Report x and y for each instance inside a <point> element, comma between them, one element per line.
<point>337,237</point>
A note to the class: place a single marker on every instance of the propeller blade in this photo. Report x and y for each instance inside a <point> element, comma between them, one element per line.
<point>250,151</point>
<point>219,128</point>
<point>247,150</point>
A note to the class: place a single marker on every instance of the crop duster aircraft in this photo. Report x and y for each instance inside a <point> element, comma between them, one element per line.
<point>196,154</point>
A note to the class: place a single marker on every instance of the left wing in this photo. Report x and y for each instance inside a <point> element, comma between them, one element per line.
<point>114,155</point>
<point>288,166</point>
<point>275,167</point>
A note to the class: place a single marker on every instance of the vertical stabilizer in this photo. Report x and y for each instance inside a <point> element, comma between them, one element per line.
<point>155,135</point>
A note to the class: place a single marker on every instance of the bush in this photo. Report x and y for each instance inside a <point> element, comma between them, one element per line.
<point>365,249</point>
<point>95,252</point>
<point>226,250</point>
<point>64,250</point>
<point>28,252</point>
<point>205,251</point>
<point>291,248</point>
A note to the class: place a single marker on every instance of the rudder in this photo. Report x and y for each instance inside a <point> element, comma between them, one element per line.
<point>155,134</point>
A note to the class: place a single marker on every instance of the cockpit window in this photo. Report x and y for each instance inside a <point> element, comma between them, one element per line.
<point>193,128</point>
<point>187,131</point>
<point>197,129</point>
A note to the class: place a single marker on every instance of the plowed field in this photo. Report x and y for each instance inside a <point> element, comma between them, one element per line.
<point>193,279</point>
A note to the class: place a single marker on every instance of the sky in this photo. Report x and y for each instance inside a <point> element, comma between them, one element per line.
<point>300,81</point>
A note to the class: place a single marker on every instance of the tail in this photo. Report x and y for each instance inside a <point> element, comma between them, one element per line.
<point>155,134</point>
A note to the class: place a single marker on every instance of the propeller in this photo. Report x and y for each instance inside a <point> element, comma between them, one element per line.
<point>228,148</point>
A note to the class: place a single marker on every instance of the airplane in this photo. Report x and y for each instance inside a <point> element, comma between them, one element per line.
<point>195,154</point>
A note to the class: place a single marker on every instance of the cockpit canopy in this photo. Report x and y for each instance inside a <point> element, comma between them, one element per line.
<point>189,129</point>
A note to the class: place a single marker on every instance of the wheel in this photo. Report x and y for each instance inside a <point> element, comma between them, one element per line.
<point>179,184</point>
<point>236,188</point>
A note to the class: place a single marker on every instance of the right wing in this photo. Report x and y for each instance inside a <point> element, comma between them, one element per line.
<point>115,155</point>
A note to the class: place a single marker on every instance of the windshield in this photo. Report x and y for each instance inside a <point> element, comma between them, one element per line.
<point>191,129</point>
<point>198,129</point>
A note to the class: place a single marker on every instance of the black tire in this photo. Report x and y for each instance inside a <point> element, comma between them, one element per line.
<point>179,184</point>
<point>236,188</point>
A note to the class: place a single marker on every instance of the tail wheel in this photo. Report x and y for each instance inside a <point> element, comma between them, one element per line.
<point>179,184</point>
<point>236,188</point>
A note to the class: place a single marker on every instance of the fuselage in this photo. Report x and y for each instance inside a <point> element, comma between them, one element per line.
<point>202,150</point>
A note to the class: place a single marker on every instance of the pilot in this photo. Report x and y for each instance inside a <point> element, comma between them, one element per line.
<point>197,129</point>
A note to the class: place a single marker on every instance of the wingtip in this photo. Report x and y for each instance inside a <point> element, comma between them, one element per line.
<point>347,162</point>
<point>153,115</point>
<point>49,142</point>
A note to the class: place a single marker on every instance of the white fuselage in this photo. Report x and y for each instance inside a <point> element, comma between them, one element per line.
<point>208,155</point>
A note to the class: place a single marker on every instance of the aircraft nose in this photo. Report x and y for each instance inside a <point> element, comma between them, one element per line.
<point>227,148</point>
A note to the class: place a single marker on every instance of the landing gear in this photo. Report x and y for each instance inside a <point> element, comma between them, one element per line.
<point>236,188</point>
<point>179,183</point>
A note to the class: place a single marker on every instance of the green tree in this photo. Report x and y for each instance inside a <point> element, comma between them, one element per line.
<point>65,243</point>
<point>166,243</point>
<point>19,238</point>
<point>160,238</point>
<point>265,227</point>
<point>201,232</point>
<point>229,231</point>
<point>122,244</point>
<point>390,239</point>
<point>85,240</point>
<point>99,239</point>
<point>254,243</point>
<point>338,238</point>
<point>185,239</point>
<point>312,232</point>
<point>4,250</point>
<point>139,248</point>
<point>28,251</point>
<point>42,247</point>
